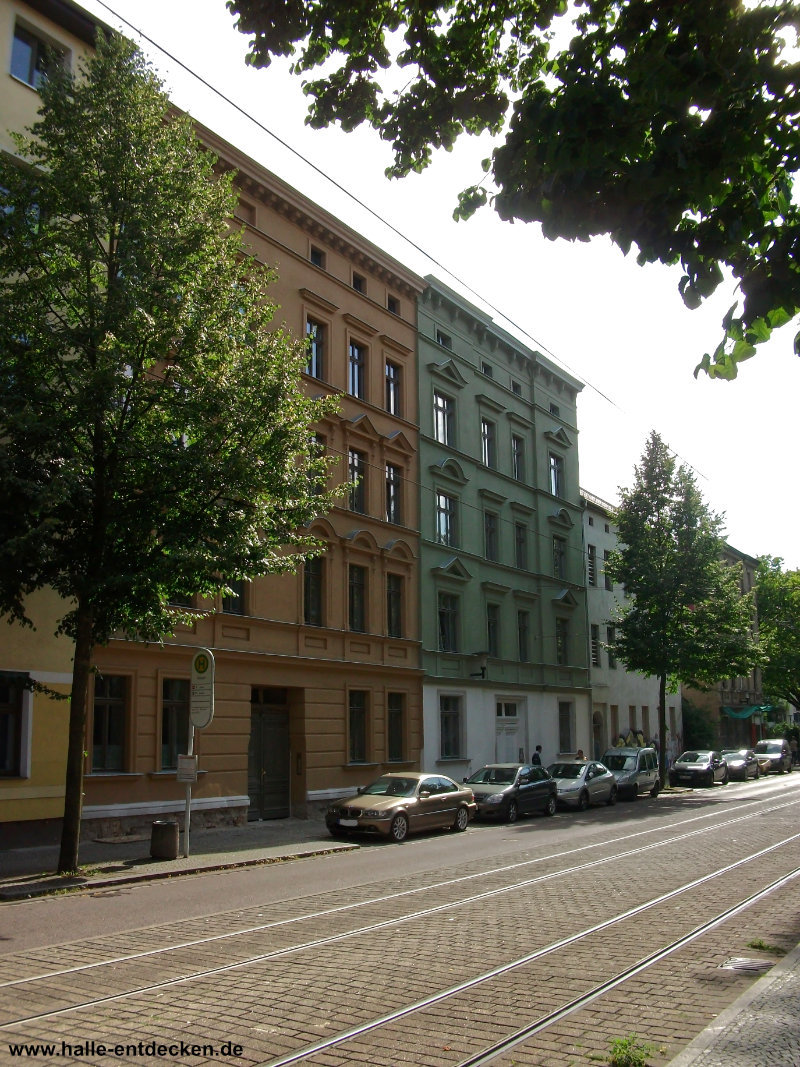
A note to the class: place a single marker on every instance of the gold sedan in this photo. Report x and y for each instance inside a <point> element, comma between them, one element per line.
<point>401,803</point>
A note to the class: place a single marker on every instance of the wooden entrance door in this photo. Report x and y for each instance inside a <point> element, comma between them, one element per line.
<point>268,761</point>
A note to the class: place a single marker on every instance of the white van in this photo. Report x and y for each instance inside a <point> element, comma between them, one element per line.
<point>635,769</point>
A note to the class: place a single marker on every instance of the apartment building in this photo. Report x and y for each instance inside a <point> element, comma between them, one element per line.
<point>503,588</point>
<point>736,706</point>
<point>318,676</point>
<point>624,703</point>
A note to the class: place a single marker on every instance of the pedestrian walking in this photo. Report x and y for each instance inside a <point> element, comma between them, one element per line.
<point>536,758</point>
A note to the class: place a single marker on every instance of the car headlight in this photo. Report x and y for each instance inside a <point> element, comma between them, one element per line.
<point>493,798</point>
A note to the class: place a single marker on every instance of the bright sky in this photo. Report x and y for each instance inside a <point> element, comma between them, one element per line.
<point>620,328</point>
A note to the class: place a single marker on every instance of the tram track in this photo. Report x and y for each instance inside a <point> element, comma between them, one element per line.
<point>256,987</point>
<point>369,932</point>
<point>325,914</point>
<point>578,1002</point>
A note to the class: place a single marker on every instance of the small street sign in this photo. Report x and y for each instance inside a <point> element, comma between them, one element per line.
<point>187,769</point>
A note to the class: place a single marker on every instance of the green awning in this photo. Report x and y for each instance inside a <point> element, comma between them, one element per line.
<point>749,711</point>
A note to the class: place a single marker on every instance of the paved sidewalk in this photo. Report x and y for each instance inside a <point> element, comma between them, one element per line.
<point>761,1027</point>
<point>28,871</point>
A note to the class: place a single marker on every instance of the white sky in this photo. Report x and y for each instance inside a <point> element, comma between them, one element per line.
<point>620,328</point>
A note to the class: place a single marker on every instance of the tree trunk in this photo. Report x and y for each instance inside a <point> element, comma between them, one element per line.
<point>662,728</point>
<point>73,796</point>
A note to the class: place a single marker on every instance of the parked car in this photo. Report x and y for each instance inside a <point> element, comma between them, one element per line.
<point>774,755</point>
<point>635,769</point>
<point>508,790</point>
<point>742,763</point>
<point>699,768</point>
<point>401,803</point>
<point>583,782</point>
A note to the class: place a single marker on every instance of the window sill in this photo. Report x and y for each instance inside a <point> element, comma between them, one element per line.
<point>358,766</point>
<point>453,759</point>
<point>170,773</point>
<point>114,775</point>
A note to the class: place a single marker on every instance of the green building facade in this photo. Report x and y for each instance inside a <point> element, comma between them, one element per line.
<point>503,589</point>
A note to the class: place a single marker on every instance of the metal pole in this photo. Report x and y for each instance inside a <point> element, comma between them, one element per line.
<point>187,818</point>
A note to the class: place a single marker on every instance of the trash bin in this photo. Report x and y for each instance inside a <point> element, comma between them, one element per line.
<point>164,840</point>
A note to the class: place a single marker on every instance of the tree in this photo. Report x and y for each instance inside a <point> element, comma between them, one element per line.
<point>154,432</point>
<point>778,599</point>
<point>669,126</point>
<point>688,620</point>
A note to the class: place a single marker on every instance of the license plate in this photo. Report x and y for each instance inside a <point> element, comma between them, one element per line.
<point>348,822</point>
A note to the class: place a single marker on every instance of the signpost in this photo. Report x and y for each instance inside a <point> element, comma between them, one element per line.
<point>201,712</point>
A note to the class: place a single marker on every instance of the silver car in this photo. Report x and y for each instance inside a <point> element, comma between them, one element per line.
<point>583,782</point>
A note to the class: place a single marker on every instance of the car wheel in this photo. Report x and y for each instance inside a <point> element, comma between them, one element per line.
<point>709,780</point>
<point>656,789</point>
<point>551,806</point>
<point>758,773</point>
<point>335,831</point>
<point>583,801</point>
<point>781,769</point>
<point>512,814</point>
<point>462,820</point>
<point>398,831</point>
<point>725,779</point>
<point>612,796</point>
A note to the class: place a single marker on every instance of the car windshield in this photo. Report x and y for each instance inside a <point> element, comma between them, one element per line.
<point>391,787</point>
<point>768,746</point>
<point>733,754</point>
<point>493,776</point>
<point>618,761</point>
<point>694,757</point>
<point>566,770</point>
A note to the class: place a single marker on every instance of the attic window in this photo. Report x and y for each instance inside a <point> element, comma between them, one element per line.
<point>317,257</point>
<point>359,283</point>
<point>444,339</point>
<point>393,304</point>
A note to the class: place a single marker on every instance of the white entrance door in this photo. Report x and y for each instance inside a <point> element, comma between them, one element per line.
<point>509,743</point>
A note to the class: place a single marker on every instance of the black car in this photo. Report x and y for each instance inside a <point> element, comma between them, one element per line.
<point>699,768</point>
<point>508,790</point>
<point>742,763</point>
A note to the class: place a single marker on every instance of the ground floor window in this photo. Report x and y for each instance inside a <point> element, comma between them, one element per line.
<point>174,721</point>
<point>10,726</point>
<point>108,722</point>
<point>357,726</point>
<point>565,735</point>
<point>450,727</point>
<point>395,727</point>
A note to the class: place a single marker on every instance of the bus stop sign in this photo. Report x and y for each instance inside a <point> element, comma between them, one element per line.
<point>201,702</point>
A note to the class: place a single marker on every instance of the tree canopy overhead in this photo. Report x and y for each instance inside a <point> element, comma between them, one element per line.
<point>671,127</point>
